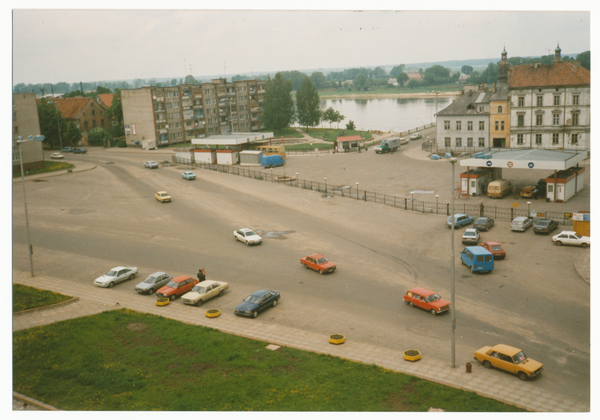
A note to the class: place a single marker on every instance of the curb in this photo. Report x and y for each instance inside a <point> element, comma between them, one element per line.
<point>42,308</point>
<point>53,174</point>
<point>31,401</point>
<point>581,270</point>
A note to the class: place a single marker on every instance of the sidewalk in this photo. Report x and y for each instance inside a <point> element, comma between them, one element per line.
<point>492,384</point>
<point>80,167</point>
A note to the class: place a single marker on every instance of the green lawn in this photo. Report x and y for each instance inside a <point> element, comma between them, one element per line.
<point>25,297</point>
<point>49,166</point>
<point>124,360</point>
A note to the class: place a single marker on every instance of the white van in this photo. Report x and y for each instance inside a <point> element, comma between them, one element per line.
<point>499,188</point>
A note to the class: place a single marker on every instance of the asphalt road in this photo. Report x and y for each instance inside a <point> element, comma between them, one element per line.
<point>86,223</point>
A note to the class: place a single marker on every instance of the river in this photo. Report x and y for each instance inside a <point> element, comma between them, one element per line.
<point>386,114</point>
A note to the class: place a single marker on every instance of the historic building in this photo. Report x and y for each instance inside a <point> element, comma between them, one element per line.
<point>86,113</point>
<point>500,107</point>
<point>178,114</point>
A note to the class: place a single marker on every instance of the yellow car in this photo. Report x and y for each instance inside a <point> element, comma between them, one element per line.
<point>162,196</point>
<point>510,359</point>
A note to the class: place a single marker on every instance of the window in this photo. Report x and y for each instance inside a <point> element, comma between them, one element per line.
<point>574,138</point>
<point>458,142</point>
<point>538,139</point>
<point>496,125</point>
<point>575,119</point>
<point>554,138</point>
<point>550,188</point>
<point>556,99</point>
<point>446,125</point>
<point>469,141</point>
<point>447,141</point>
<point>502,125</point>
<point>521,101</point>
<point>481,141</point>
<point>540,100</point>
<point>93,112</point>
<point>481,125</point>
<point>556,119</point>
<point>499,110</point>
<point>520,120</point>
<point>519,138</point>
<point>458,125</point>
<point>470,125</point>
<point>576,99</point>
<point>85,125</point>
<point>539,119</point>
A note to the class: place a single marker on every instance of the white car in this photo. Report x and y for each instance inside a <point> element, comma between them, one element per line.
<point>571,238</point>
<point>404,140</point>
<point>116,275</point>
<point>470,236</point>
<point>416,136</point>
<point>204,291</point>
<point>248,236</point>
<point>56,156</point>
<point>151,165</point>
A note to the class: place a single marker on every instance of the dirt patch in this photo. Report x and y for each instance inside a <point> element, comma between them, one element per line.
<point>398,401</point>
<point>136,326</point>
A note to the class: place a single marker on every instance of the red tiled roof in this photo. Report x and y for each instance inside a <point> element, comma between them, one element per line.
<point>564,73</point>
<point>349,138</point>
<point>70,107</point>
<point>106,98</point>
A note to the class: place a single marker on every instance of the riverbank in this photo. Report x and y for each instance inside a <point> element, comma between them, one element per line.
<point>367,95</point>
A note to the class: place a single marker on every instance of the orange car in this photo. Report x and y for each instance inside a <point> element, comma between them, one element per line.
<point>509,359</point>
<point>426,299</point>
<point>318,263</point>
<point>177,287</point>
<point>496,249</point>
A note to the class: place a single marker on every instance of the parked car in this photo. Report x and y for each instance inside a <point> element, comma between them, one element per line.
<point>521,223</point>
<point>204,291</point>
<point>163,196</point>
<point>459,220</point>
<point>318,262</point>
<point>496,249</point>
<point>188,175</point>
<point>571,238</point>
<point>416,136</point>
<point>530,192</point>
<point>509,359</point>
<point>477,259</point>
<point>247,236</point>
<point>426,299</point>
<point>151,165</point>
<point>483,223</point>
<point>67,149</point>
<point>544,226</point>
<point>80,150</point>
<point>177,287</point>
<point>257,302</point>
<point>153,282</point>
<point>404,140</point>
<point>56,156</point>
<point>116,275</point>
<point>470,236</point>
<point>499,188</point>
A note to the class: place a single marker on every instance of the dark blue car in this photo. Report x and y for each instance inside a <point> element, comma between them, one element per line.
<point>257,302</point>
<point>80,150</point>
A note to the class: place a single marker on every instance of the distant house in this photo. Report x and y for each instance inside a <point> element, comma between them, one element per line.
<point>392,81</point>
<point>416,76</point>
<point>86,113</point>
<point>105,98</point>
<point>463,78</point>
<point>347,143</point>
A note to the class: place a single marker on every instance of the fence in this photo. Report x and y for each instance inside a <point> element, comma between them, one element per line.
<point>435,207</point>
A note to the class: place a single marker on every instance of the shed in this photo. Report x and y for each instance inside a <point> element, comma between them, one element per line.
<point>474,181</point>
<point>250,157</point>
<point>581,223</point>
<point>227,157</point>
<point>563,185</point>
<point>348,142</point>
<point>205,155</point>
<point>184,153</point>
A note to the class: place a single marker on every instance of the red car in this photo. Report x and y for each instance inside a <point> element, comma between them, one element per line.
<point>426,299</point>
<point>177,287</point>
<point>318,263</point>
<point>496,249</point>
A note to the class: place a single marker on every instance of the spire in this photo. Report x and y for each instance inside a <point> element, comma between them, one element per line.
<point>557,54</point>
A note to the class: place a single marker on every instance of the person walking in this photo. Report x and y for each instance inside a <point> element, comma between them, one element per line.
<point>201,275</point>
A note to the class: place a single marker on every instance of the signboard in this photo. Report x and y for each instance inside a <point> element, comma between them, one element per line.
<point>582,217</point>
<point>509,164</point>
<point>515,204</point>
<point>568,216</point>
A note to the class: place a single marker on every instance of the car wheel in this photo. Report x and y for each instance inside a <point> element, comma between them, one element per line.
<point>111,284</point>
<point>320,271</point>
<point>305,265</point>
<point>558,243</point>
<point>462,262</point>
<point>522,376</point>
<point>473,269</point>
<point>584,245</point>
<point>487,364</point>
<point>248,243</point>
<point>433,312</point>
<point>221,293</point>
<point>151,291</point>
<point>411,304</point>
<point>200,302</point>
<point>275,303</point>
<point>172,297</point>
<point>255,314</point>
<point>131,277</point>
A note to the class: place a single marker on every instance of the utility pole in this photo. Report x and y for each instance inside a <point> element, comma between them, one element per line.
<point>452,272</point>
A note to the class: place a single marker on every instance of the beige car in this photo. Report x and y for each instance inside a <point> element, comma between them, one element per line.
<point>510,359</point>
<point>204,291</point>
<point>163,196</point>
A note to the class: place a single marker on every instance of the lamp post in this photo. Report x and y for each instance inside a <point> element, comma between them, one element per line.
<point>29,247</point>
<point>452,302</point>
<point>296,179</point>
<point>528,204</point>
<point>437,196</point>
<point>357,190</point>
<point>325,185</point>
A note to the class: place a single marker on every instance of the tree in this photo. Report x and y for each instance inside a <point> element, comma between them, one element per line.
<point>397,70</point>
<point>72,135</point>
<point>466,69</point>
<point>436,75</point>
<point>278,106</point>
<point>115,114</point>
<point>50,120</point>
<point>490,74</point>
<point>99,136</point>
<point>307,104</point>
<point>100,90</point>
<point>318,79</point>
<point>380,73</point>
<point>585,59</point>
<point>351,126</point>
<point>413,83</point>
<point>402,78</point>
<point>338,117</point>
<point>360,82</point>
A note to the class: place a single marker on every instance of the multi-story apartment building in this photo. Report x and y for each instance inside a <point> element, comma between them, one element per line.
<point>550,105</point>
<point>180,113</point>
<point>26,122</point>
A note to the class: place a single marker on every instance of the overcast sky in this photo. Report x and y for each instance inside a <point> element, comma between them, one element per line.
<point>51,46</point>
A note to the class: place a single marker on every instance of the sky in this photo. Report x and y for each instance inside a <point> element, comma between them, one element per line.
<point>115,43</point>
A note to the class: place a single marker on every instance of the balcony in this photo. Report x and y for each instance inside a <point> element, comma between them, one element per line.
<point>162,131</point>
<point>186,103</point>
<point>161,121</point>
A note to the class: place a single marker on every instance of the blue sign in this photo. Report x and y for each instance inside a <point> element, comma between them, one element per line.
<point>488,163</point>
<point>530,164</point>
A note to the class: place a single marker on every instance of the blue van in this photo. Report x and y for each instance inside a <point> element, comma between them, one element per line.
<point>268,161</point>
<point>477,258</point>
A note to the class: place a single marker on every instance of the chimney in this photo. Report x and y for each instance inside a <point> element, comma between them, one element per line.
<point>494,87</point>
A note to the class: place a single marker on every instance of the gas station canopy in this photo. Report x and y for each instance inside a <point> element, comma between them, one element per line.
<point>558,160</point>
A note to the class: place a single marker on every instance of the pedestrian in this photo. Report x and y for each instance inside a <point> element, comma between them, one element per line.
<point>201,275</point>
<point>480,209</point>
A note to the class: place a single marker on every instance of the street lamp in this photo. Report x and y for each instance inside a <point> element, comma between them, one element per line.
<point>357,190</point>
<point>452,273</point>
<point>29,247</point>
<point>325,185</point>
<point>296,179</point>
<point>437,196</point>
<point>528,204</point>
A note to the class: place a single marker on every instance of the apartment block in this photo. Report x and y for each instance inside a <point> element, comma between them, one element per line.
<point>176,114</point>
<point>26,122</point>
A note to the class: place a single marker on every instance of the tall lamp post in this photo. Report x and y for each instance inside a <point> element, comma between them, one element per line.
<point>452,273</point>
<point>29,247</point>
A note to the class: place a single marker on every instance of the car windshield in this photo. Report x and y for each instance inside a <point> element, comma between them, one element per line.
<point>497,248</point>
<point>517,223</point>
<point>111,273</point>
<point>578,236</point>
<point>519,357</point>
<point>470,234</point>
<point>322,260</point>
<point>433,297</point>
<point>151,279</point>
<point>250,233</point>
<point>173,284</point>
<point>543,222</point>
<point>199,289</point>
<point>252,299</point>
<point>481,221</point>
<point>163,194</point>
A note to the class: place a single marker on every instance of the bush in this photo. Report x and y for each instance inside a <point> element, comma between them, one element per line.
<point>99,136</point>
<point>122,143</point>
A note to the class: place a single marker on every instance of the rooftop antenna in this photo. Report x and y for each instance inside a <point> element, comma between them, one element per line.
<point>224,69</point>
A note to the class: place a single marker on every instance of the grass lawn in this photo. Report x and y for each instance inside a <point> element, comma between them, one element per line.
<point>25,297</point>
<point>305,146</point>
<point>49,166</point>
<point>125,360</point>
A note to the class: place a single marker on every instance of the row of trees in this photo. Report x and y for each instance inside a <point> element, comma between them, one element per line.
<point>279,111</point>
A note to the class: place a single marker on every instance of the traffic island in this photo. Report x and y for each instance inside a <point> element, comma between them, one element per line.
<point>337,339</point>
<point>412,355</point>
<point>213,313</point>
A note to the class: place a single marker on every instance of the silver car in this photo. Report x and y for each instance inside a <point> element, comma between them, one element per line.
<point>116,275</point>
<point>151,165</point>
<point>521,223</point>
<point>153,282</point>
